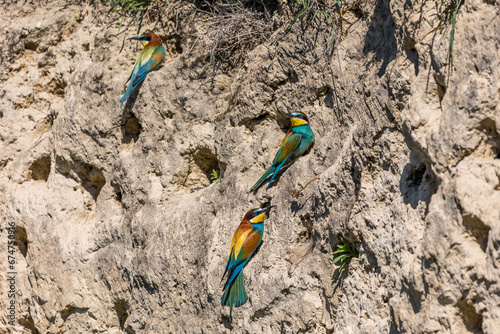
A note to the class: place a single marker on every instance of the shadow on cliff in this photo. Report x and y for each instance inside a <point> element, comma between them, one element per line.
<point>380,38</point>
<point>339,277</point>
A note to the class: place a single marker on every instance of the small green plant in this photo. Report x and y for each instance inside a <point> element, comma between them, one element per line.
<point>135,9</point>
<point>330,12</point>
<point>346,251</point>
<point>215,176</point>
<point>448,11</point>
<point>306,5</point>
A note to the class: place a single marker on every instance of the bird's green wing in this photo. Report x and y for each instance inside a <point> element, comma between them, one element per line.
<point>148,60</point>
<point>288,145</point>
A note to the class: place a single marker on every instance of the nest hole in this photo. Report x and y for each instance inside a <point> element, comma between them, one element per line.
<point>22,240</point>
<point>131,129</point>
<point>489,128</point>
<point>31,45</point>
<point>173,45</point>
<point>121,313</point>
<point>473,321</point>
<point>40,169</point>
<point>206,161</point>
<point>417,182</point>
<point>29,323</point>
<point>198,169</point>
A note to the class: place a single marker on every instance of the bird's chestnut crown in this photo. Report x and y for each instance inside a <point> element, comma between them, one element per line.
<point>146,38</point>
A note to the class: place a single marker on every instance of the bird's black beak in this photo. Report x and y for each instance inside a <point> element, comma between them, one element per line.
<point>266,209</point>
<point>289,115</point>
<point>137,38</point>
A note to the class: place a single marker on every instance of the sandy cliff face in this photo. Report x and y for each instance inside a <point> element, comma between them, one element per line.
<point>119,228</point>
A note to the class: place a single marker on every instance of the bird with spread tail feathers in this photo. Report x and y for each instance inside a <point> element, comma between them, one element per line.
<point>246,241</point>
<point>296,142</point>
<point>149,59</point>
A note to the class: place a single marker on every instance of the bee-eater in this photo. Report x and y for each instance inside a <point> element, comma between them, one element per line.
<point>149,58</point>
<point>297,140</point>
<point>246,241</point>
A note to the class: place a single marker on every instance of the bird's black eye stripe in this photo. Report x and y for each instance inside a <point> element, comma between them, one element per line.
<point>148,39</point>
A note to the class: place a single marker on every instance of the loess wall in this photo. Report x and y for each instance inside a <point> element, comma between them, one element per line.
<point>120,229</point>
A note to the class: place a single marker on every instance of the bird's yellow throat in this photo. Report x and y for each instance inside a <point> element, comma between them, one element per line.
<point>298,122</point>
<point>258,219</point>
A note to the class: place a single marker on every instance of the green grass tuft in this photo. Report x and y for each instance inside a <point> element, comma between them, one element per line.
<point>133,9</point>
<point>346,252</point>
<point>215,176</point>
<point>330,12</point>
<point>448,11</point>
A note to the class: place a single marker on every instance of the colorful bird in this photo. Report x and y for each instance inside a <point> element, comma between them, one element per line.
<point>297,140</point>
<point>149,58</point>
<point>246,241</point>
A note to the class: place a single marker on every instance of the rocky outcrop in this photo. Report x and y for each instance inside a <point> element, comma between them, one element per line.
<point>119,228</point>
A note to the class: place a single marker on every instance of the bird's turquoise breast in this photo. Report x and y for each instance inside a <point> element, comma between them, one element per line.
<point>259,226</point>
<point>306,141</point>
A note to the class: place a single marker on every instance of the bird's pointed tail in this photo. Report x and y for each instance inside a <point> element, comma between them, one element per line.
<point>127,94</point>
<point>235,294</point>
<point>277,169</point>
<point>262,178</point>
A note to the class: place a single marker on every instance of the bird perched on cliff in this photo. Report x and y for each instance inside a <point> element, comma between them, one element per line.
<point>149,58</point>
<point>244,245</point>
<point>297,140</point>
